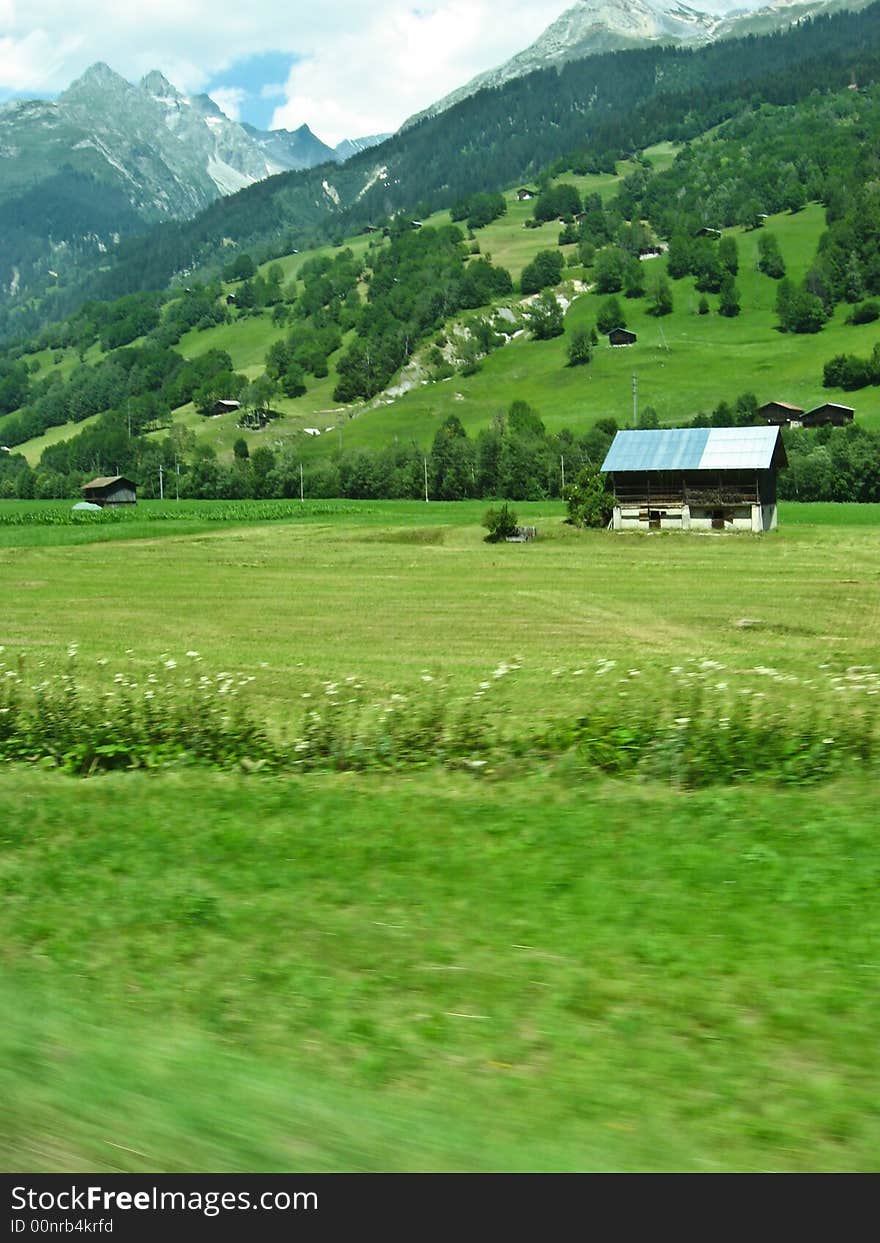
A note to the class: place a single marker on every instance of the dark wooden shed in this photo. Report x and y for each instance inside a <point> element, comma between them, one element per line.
<point>621,336</point>
<point>829,412</point>
<point>225,407</point>
<point>108,490</point>
<point>780,413</point>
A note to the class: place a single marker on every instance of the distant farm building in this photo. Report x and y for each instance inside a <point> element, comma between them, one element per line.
<point>231,300</point>
<point>524,194</point>
<point>110,490</point>
<point>696,478</point>
<point>830,412</point>
<point>780,413</point>
<point>226,407</point>
<point>706,231</point>
<point>621,336</point>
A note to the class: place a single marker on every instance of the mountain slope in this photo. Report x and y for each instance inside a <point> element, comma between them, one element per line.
<point>590,27</point>
<point>125,156</point>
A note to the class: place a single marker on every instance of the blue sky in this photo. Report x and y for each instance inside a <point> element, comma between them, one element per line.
<point>260,79</point>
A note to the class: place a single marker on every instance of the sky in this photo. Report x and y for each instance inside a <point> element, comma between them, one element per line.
<point>347,68</point>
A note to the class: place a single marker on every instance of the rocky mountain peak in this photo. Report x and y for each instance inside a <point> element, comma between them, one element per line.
<point>158,85</point>
<point>98,77</point>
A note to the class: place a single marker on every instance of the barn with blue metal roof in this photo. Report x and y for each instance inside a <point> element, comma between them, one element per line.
<point>702,478</point>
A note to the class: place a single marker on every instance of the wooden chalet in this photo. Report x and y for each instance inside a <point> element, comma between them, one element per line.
<point>696,478</point>
<point>621,336</point>
<point>110,490</point>
<point>781,414</point>
<point>707,231</point>
<point>225,407</point>
<point>830,412</point>
<point>524,193</point>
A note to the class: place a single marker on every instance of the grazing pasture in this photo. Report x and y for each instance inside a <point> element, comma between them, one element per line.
<point>520,966</point>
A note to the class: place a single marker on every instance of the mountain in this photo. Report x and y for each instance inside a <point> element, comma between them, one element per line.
<point>110,158</point>
<point>291,149</point>
<point>591,27</point>
<point>353,146</point>
<point>300,148</point>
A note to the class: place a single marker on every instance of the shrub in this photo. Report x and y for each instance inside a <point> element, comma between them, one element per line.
<point>544,270</point>
<point>589,501</point>
<point>580,349</point>
<point>770,260</point>
<point>610,316</point>
<point>864,314</point>
<point>500,523</point>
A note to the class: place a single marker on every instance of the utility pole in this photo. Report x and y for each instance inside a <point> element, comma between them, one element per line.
<point>176,479</point>
<point>129,418</point>
<point>302,495</point>
<point>426,480</point>
<point>635,401</point>
<point>161,483</point>
<point>562,463</point>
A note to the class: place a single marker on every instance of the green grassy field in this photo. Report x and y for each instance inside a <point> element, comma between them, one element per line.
<point>527,969</point>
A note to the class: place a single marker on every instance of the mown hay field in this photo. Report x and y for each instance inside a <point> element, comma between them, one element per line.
<point>389,592</point>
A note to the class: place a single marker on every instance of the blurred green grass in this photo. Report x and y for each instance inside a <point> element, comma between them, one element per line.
<point>204,972</point>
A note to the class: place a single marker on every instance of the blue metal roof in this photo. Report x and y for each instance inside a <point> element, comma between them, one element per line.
<point>693,448</point>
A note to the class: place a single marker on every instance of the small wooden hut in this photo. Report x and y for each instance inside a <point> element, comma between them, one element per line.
<point>109,490</point>
<point>830,412</point>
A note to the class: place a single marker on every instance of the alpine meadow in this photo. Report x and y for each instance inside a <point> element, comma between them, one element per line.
<point>432,737</point>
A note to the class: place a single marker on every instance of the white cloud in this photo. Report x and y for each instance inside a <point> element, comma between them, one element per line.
<point>378,62</point>
<point>399,60</point>
<point>27,62</point>
<point>229,100</point>
<point>365,68</point>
